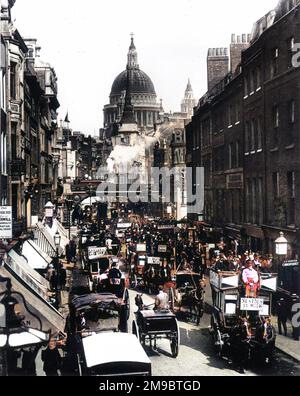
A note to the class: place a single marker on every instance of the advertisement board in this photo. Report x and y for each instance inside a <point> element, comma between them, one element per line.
<point>162,249</point>
<point>95,252</point>
<point>141,247</point>
<point>5,222</point>
<point>154,260</point>
<point>252,304</point>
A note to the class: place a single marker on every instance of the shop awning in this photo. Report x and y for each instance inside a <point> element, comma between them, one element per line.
<point>44,240</point>
<point>20,266</point>
<point>36,258</point>
<point>58,227</point>
<point>33,293</point>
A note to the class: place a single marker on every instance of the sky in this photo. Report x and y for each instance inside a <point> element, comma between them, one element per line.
<point>87,43</point>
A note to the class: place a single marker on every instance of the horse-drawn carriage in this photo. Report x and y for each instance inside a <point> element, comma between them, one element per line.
<point>152,325</point>
<point>136,274</point>
<point>98,323</point>
<point>241,325</point>
<point>187,294</point>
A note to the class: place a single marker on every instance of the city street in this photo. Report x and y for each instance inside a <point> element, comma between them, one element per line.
<point>180,183</point>
<point>197,356</point>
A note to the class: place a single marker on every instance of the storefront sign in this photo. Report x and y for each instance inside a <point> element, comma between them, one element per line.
<point>291,263</point>
<point>95,252</point>
<point>5,222</point>
<point>252,304</point>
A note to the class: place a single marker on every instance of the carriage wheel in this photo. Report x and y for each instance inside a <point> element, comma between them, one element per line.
<point>133,281</point>
<point>123,326</point>
<point>217,337</point>
<point>135,330</point>
<point>199,312</point>
<point>127,303</point>
<point>171,299</point>
<point>175,341</point>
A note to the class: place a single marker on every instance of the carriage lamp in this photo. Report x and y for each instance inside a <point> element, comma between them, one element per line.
<point>281,245</point>
<point>57,239</point>
<point>14,333</point>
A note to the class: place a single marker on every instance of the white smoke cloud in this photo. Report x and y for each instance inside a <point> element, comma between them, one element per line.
<point>127,155</point>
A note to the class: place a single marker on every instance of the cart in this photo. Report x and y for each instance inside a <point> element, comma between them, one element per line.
<point>151,325</point>
<point>93,313</point>
<point>137,269</point>
<point>187,295</point>
<point>230,308</point>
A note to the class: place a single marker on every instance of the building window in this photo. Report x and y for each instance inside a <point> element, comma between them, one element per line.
<point>274,62</point>
<point>3,145</point>
<point>259,134</point>
<point>276,117</point>
<point>2,90</point>
<point>237,154</point>
<point>237,111</point>
<point>245,86</point>
<point>13,141</point>
<point>275,183</point>
<point>291,198</point>
<point>252,81</point>
<point>258,77</point>
<point>230,156</point>
<point>252,146</point>
<point>291,46</point>
<point>13,80</point>
<point>247,138</point>
<point>292,114</point>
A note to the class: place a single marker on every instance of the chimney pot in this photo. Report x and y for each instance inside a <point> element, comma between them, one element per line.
<point>233,39</point>
<point>244,38</point>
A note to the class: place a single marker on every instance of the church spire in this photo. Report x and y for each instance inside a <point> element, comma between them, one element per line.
<point>132,55</point>
<point>128,113</point>
<point>189,86</point>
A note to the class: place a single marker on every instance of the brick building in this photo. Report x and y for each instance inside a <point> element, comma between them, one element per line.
<point>245,132</point>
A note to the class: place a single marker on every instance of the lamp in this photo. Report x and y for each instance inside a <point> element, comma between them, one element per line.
<point>13,331</point>
<point>57,239</point>
<point>281,245</point>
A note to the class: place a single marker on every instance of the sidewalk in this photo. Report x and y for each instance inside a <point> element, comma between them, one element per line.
<point>284,344</point>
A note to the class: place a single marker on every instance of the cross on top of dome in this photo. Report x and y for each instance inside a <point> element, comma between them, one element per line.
<point>132,55</point>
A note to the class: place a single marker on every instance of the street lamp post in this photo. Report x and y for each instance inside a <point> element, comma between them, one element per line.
<point>14,334</point>
<point>57,240</point>
<point>281,247</point>
<point>69,204</point>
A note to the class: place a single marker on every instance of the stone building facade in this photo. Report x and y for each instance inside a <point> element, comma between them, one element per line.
<point>245,132</point>
<point>28,124</point>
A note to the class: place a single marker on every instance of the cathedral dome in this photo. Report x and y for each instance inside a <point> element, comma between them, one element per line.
<point>140,83</point>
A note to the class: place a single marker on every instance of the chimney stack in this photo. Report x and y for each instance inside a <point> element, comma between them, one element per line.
<point>242,42</point>
<point>217,65</point>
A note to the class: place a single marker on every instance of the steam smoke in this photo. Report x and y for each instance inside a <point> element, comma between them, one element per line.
<point>126,155</point>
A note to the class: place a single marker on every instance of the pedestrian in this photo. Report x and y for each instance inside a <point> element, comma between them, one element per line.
<point>52,359</point>
<point>28,361</point>
<point>63,278</point>
<point>161,300</point>
<point>282,315</point>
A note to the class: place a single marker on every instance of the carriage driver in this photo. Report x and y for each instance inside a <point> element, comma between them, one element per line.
<point>162,300</point>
